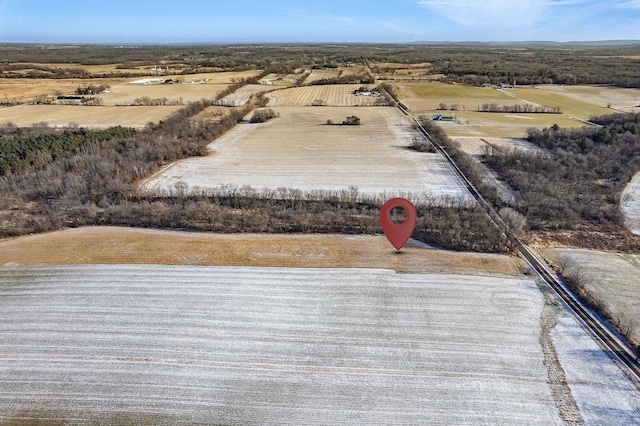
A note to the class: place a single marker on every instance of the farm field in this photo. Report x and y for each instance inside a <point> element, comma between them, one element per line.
<point>117,245</point>
<point>25,90</point>
<point>498,125</point>
<point>317,75</point>
<point>568,105</point>
<point>226,77</point>
<point>331,95</point>
<point>85,116</point>
<point>630,205</point>
<point>96,69</point>
<point>477,146</point>
<point>126,94</point>
<point>421,97</point>
<point>613,278</point>
<point>242,95</point>
<point>261,345</point>
<point>626,100</point>
<point>282,80</point>
<point>299,150</point>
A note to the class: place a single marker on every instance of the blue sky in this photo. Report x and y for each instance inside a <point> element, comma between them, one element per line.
<point>144,21</point>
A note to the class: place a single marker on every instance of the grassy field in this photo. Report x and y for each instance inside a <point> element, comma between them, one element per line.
<point>613,278</point>
<point>630,205</point>
<point>626,100</point>
<point>86,116</point>
<point>272,345</point>
<point>420,97</point>
<point>331,95</point>
<point>498,125</point>
<point>114,245</point>
<point>568,105</point>
<point>299,150</point>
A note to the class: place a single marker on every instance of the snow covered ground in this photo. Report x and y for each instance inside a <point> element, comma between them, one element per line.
<point>630,205</point>
<point>172,344</point>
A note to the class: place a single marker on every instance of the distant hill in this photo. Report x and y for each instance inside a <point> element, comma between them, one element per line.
<point>535,43</point>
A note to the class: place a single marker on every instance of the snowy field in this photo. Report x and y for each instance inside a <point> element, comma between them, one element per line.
<point>299,150</point>
<point>630,205</point>
<point>166,345</point>
<point>252,345</point>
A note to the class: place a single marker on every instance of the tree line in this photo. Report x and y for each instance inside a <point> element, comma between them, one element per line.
<point>519,108</point>
<point>98,185</point>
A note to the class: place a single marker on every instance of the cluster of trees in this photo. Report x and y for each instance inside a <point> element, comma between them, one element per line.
<point>421,144</point>
<point>92,89</point>
<point>263,115</point>
<point>28,150</point>
<point>526,108</point>
<point>148,101</point>
<point>577,181</point>
<point>345,79</point>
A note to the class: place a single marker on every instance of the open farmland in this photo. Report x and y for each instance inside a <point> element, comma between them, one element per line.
<point>242,95</point>
<point>115,245</point>
<point>499,125</point>
<point>612,278</point>
<point>126,94</point>
<point>94,69</point>
<point>421,97</point>
<point>317,75</point>
<point>282,80</point>
<point>618,98</point>
<point>255,345</point>
<point>478,146</point>
<point>570,106</point>
<point>86,116</point>
<point>170,344</point>
<point>25,90</point>
<point>299,150</point>
<point>216,77</point>
<point>630,205</point>
<point>331,95</point>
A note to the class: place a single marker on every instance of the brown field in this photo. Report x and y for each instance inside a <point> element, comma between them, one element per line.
<point>85,116</point>
<point>114,245</point>
<point>126,94</point>
<point>97,69</point>
<point>403,72</point>
<point>332,95</point>
<point>282,80</point>
<point>626,100</point>
<point>25,90</point>
<point>299,150</point>
<point>242,95</point>
<point>321,75</point>
<point>216,77</point>
<point>213,113</point>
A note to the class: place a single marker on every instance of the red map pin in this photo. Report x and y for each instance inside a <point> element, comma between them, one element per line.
<point>398,233</point>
